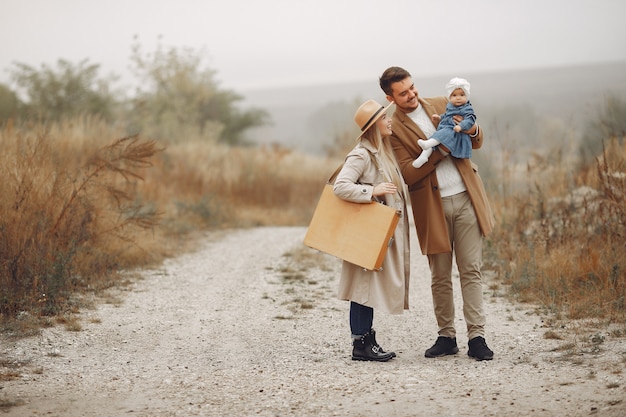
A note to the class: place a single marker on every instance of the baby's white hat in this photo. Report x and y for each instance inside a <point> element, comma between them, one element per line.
<point>461,83</point>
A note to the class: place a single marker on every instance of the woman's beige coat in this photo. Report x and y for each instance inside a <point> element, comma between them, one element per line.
<point>387,289</point>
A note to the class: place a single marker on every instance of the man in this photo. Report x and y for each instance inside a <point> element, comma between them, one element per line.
<point>451,212</point>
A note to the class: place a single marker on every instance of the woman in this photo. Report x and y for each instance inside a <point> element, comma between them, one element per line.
<point>370,172</point>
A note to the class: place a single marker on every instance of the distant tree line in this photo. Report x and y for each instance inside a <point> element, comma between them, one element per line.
<point>178,97</point>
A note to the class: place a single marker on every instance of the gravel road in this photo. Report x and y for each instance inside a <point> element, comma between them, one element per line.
<point>248,325</point>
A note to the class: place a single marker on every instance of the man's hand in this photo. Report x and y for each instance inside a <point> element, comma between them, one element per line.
<point>458,119</point>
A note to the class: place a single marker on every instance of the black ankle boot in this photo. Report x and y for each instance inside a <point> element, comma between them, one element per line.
<point>363,349</point>
<point>380,348</point>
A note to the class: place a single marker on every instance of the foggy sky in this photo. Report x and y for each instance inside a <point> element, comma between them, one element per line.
<point>256,44</point>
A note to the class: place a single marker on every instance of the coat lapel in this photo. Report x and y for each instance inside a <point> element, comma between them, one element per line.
<point>410,124</point>
<point>429,109</point>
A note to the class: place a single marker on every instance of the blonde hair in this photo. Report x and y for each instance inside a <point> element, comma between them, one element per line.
<point>386,158</point>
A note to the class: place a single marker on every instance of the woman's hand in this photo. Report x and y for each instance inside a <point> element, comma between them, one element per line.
<point>384,188</point>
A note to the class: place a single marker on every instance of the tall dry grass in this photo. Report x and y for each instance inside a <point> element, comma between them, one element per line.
<point>80,204</point>
<point>67,213</point>
<point>209,184</point>
<point>562,243</point>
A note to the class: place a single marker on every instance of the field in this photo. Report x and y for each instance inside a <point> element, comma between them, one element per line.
<point>83,202</point>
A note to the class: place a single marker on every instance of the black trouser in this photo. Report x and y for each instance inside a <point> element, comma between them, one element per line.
<point>361,319</point>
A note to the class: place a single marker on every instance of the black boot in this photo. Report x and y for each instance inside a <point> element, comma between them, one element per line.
<point>380,348</point>
<point>363,349</point>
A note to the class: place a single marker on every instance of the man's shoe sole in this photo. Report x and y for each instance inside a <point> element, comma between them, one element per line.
<point>452,352</point>
<point>487,358</point>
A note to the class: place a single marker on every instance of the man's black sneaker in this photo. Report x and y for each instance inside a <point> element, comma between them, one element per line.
<point>443,346</point>
<point>478,349</point>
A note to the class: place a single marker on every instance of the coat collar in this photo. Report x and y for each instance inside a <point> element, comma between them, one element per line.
<point>369,146</point>
<point>410,124</point>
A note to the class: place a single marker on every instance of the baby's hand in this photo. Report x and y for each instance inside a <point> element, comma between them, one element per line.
<point>457,128</point>
<point>436,118</point>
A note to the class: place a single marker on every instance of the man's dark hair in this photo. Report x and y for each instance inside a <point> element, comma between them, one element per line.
<point>390,76</point>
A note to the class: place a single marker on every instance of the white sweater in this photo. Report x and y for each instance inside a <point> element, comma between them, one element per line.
<point>448,177</point>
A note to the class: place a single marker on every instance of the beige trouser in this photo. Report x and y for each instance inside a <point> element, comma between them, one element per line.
<point>466,241</point>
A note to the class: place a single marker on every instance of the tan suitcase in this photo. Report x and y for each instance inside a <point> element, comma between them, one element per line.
<point>359,233</point>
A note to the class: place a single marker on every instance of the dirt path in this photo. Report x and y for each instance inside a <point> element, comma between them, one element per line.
<point>242,327</point>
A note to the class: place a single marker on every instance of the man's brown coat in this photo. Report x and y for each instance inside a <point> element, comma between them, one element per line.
<point>422,182</point>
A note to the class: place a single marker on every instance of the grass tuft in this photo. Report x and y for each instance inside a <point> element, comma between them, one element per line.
<point>562,244</point>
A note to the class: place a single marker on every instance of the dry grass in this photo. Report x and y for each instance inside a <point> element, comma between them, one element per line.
<point>81,205</point>
<point>563,243</point>
<point>67,215</point>
<point>215,185</point>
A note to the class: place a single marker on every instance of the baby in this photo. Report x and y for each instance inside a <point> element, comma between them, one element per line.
<point>448,132</point>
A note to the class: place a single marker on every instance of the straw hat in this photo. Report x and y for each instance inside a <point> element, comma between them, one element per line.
<point>367,114</point>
